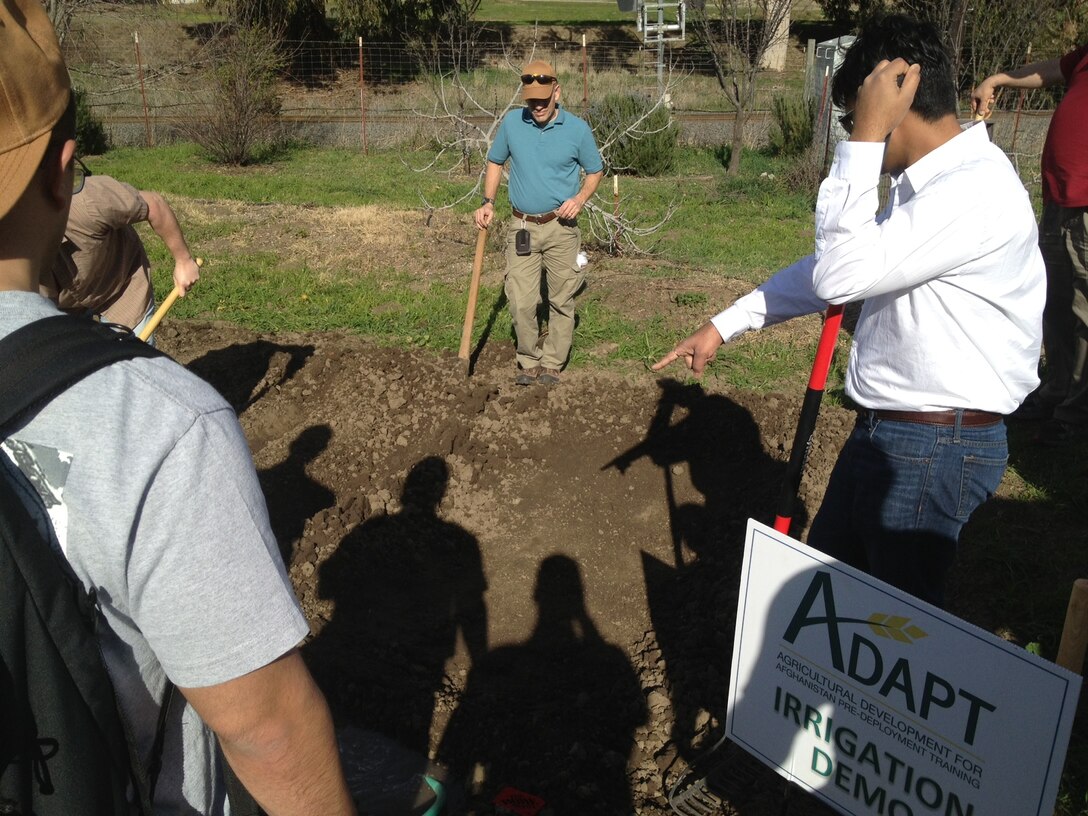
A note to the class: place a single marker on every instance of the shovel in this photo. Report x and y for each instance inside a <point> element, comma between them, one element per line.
<point>806,422</point>
<point>473,293</point>
<point>160,313</point>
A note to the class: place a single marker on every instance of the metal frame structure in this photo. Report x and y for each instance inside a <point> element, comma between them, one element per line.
<point>659,22</point>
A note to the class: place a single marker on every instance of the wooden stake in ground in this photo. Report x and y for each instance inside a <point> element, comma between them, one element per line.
<point>160,313</point>
<point>1075,632</point>
<point>616,214</point>
<point>473,292</point>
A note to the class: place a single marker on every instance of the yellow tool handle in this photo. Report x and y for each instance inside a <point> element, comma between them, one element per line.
<point>160,313</point>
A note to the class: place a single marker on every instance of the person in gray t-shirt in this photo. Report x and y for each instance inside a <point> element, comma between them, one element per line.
<point>146,479</point>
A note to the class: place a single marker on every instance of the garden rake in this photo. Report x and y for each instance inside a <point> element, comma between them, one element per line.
<point>724,775</point>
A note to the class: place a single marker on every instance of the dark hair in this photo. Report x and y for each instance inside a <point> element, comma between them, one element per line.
<point>897,35</point>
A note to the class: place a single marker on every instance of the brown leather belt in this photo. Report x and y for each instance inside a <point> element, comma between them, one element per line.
<point>535,219</point>
<point>970,418</point>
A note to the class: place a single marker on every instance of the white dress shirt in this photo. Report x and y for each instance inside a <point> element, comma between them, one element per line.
<point>950,273</point>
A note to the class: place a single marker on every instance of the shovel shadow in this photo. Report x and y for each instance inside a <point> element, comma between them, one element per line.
<point>489,326</point>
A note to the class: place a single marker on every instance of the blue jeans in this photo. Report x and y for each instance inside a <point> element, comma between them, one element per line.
<point>901,492</point>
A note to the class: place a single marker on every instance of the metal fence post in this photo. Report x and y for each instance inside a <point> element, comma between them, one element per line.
<point>143,92</point>
<point>362,98</point>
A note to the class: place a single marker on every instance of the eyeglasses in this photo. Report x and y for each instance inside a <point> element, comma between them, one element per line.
<point>80,174</point>
<point>846,122</point>
<point>542,79</point>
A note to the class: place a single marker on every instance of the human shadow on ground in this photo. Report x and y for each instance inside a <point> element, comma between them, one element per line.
<point>292,496</point>
<point>1021,551</point>
<point>246,372</point>
<point>405,585</point>
<point>777,716</point>
<point>565,700</point>
<point>692,601</point>
<point>1020,555</point>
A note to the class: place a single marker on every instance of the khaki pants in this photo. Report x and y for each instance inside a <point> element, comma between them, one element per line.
<point>1063,240</point>
<point>553,247</point>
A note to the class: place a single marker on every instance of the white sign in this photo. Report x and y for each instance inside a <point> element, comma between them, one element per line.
<point>879,703</point>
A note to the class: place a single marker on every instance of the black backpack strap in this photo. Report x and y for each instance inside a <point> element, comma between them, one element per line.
<point>241,800</point>
<point>43,358</point>
<point>61,647</point>
<point>37,362</point>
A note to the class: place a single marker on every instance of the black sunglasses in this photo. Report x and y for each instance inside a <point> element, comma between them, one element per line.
<point>846,122</point>
<point>542,79</point>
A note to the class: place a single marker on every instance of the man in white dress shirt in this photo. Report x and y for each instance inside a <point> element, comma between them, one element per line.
<point>949,335</point>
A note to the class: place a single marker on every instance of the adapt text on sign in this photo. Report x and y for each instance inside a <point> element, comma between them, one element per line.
<point>880,703</point>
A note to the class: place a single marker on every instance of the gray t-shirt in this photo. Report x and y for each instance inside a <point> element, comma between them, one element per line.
<point>150,487</point>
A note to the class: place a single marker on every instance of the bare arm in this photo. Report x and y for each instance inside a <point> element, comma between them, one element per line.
<point>165,223</point>
<point>1028,77</point>
<point>485,214</point>
<point>276,732</point>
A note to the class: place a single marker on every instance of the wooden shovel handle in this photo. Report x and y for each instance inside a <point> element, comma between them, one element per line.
<point>160,313</point>
<point>1075,633</point>
<point>473,293</point>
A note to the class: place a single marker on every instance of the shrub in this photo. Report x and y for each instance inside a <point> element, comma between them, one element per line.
<point>635,137</point>
<point>237,121</point>
<point>805,172</point>
<point>91,136</point>
<point>794,124</point>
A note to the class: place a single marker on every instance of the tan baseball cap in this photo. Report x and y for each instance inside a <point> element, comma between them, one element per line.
<point>34,92</point>
<point>538,80</point>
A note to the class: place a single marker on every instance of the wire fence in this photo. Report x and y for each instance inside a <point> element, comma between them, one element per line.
<point>146,73</point>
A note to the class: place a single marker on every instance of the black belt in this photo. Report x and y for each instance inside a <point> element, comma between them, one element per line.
<point>970,418</point>
<point>535,219</point>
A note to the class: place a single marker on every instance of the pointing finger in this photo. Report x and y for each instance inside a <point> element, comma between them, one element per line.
<point>664,361</point>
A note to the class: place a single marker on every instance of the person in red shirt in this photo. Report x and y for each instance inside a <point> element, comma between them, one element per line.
<point>1062,398</point>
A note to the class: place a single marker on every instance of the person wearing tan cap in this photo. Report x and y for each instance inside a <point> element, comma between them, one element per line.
<point>102,267</point>
<point>548,149</point>
<point>142,478</point>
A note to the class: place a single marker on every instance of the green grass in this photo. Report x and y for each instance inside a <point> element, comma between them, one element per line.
<point>257,291</point>
<point>304,176</point>
<point>553,12</point>
<point>745,227</point>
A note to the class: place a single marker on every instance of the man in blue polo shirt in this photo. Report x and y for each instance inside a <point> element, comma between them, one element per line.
<point>547,147</point>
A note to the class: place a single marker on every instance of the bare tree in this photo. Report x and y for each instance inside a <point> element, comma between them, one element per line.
<point>238,110</point>
<point>61,13</point>
<point>449,54</point>
<point>739,36</point>
<point>463,125</point>
<point>774,58</point>
<point>985,36</point>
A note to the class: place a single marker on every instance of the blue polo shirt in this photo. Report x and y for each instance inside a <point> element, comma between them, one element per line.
<point>544,161</point>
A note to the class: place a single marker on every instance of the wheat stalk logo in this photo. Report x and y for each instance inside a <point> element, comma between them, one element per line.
<point>895,627</point>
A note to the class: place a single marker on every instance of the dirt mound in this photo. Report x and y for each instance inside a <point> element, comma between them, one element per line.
<point>536,586</point>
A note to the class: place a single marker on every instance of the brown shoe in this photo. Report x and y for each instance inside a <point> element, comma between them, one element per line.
<point>527,376</point>
<point>548,376</point>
